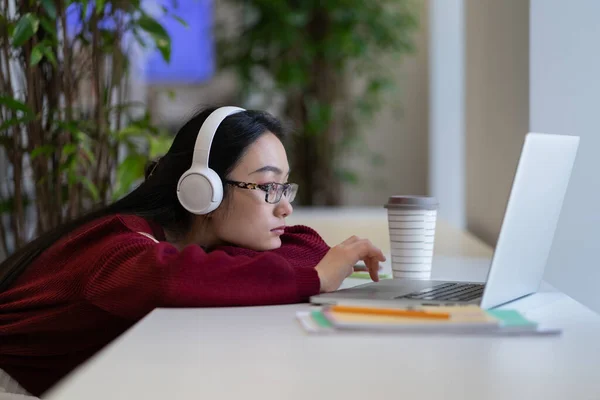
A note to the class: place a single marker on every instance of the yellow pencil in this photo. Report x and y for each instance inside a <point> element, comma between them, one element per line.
<point>390,312</point>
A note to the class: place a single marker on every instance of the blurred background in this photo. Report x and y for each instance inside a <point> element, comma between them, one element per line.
<point>428,97</point>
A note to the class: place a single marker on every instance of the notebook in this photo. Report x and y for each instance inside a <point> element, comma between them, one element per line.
<point>463,320</point>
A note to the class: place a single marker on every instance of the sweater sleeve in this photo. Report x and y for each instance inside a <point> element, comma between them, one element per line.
<point>138,275</point>
<point>301,246</point>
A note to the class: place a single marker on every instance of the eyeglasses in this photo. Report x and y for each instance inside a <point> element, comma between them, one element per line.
<point>273,190</point>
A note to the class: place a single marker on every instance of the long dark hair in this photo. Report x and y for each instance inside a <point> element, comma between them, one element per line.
<point>156,198</point>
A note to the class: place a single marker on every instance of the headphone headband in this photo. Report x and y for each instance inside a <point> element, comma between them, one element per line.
<point>207,133</point>
<point>200,190</point>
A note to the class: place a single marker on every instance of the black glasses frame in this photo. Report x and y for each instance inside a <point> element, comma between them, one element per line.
<point>291,188</point>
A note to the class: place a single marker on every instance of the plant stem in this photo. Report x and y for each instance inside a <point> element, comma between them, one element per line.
<point>67,64</point>
<point>9,114</point>
<point>100,118</point>
<point>67,87</point>
<point>3,237</point>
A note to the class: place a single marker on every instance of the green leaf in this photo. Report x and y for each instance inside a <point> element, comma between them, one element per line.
<point>90,187</point>
<point>152,26</point>
<point>164,46</point>
<point>72,177</point>
<point>158,33</point>
<point>159,145</point>
<point>16,121</point>
<point>69,126</point>
<point>42,150</point>
<point>84,6</point>
<point>129,171</point>
<point>26,27</point>
<point>124,106</point>
<point>36,54</point>
<point>100,6</point>
<point>69,149</point>
<point>49,55</point>
<point>50,8</point>
<point>319,116</point>
<point>14,104</point>
<point>139,38</point>
<point>90,156</point>
<point>181,21</point>
<point>297,19</point>
<point>131,130</point>
<point>6,141</point>
<point>49,26</point>
<point>346,175</point>
<point>7,205</point>
<point>81,137</point>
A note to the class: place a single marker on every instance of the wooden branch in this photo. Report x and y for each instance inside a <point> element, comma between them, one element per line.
<point>97,85</point>
<point>67,62</point>
<point>19,215</point>
<point>55,180</point>
<point>73,201</point>
<point>64,84</point>
<point>3,237</point>
<point>6,53</point>
<point>101,120</point>
<point>35,139</point>
<point>10,114</point>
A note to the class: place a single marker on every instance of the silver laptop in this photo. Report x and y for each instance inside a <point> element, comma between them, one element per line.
<point>518,264</point>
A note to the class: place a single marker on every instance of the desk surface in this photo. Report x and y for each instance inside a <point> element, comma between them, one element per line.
<point>261,352</point>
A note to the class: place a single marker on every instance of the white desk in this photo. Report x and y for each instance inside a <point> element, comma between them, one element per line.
<point>262,353</point>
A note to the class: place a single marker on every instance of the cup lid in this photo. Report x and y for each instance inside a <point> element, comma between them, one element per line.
<point>421,202</point>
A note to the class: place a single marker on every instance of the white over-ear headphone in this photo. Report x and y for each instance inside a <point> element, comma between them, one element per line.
<point>200,189</point>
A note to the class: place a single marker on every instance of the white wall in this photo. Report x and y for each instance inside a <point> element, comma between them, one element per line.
<point>447,109</point>
<point>565,99</point>
<point>496,107</point>
<point>479,107</point>
<point>399,132</point>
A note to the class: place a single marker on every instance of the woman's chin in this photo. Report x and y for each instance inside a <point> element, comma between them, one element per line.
<point>269,244</point>
<point>274,243</point>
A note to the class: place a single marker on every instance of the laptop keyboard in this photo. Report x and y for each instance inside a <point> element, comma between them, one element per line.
<point>448,292</point>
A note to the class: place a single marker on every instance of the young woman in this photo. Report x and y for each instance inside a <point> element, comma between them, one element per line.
<point>73,290</point>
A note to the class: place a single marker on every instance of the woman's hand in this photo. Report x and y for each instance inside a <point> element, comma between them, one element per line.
<point>339,262</point>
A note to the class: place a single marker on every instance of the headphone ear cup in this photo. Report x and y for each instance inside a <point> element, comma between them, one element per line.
<point>200,190</point>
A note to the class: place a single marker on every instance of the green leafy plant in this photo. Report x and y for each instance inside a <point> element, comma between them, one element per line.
<point>70,136</point>
<point>325,60</point>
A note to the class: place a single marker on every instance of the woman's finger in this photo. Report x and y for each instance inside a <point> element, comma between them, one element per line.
<point>365,249</point>
<point>373,266</point>
<point>351,240</point>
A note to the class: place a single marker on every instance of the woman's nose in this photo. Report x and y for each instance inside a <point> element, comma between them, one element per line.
<point>284,208</point>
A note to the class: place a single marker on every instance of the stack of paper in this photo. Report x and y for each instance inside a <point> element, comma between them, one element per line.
<point>457,320</point>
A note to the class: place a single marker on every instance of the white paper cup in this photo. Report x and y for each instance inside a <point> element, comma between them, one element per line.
<point>411,245</point>
<point>412,253</point>
<point>403,236</point>
<point>411,222</point>
<point>408,225</point>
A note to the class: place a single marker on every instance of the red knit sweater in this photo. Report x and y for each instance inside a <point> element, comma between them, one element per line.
<point>94,284</point>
